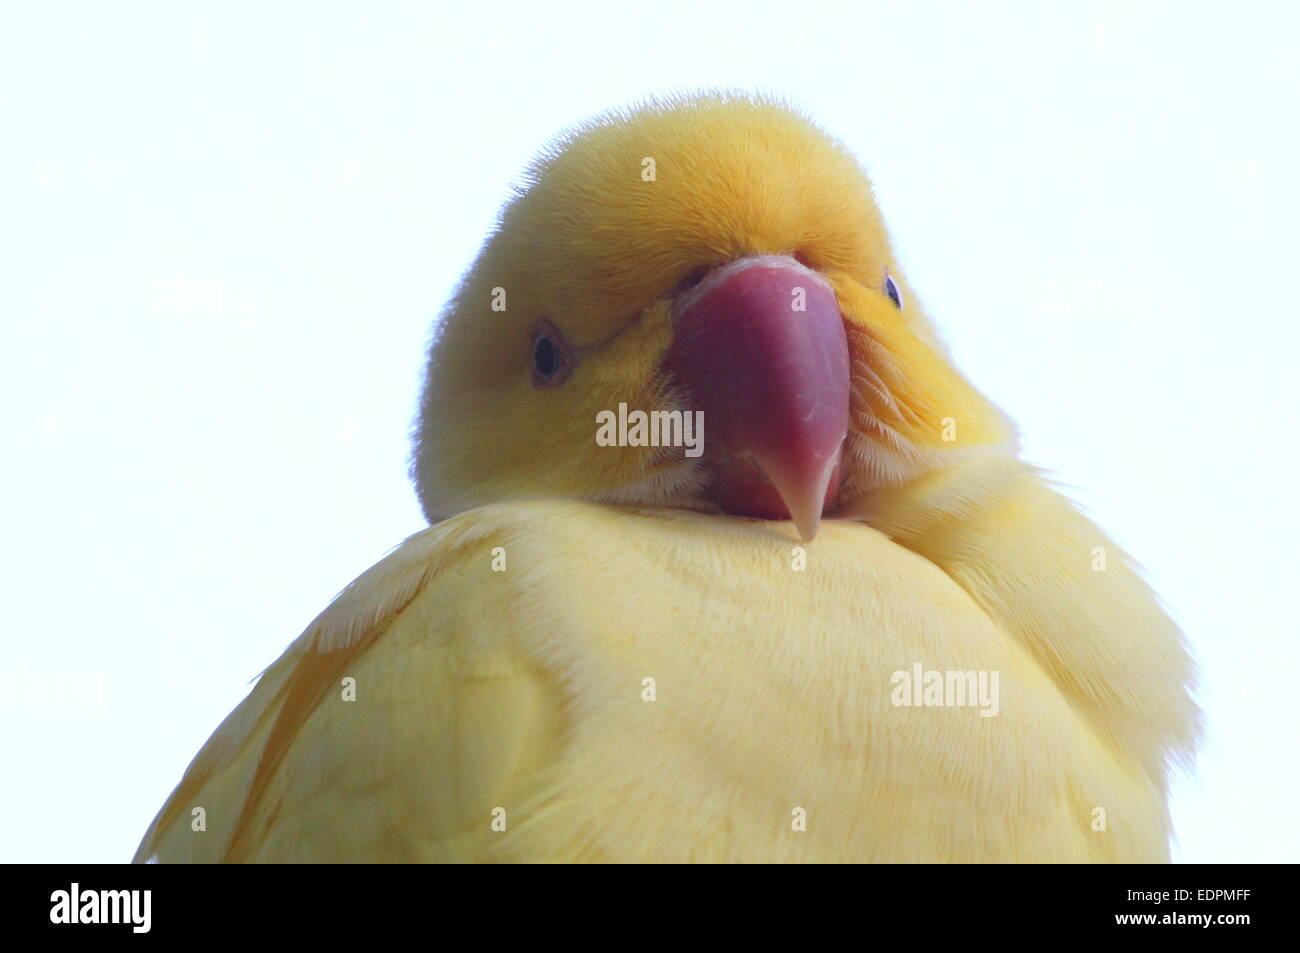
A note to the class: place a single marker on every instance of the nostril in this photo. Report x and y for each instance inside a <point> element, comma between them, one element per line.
<point>692,278</point>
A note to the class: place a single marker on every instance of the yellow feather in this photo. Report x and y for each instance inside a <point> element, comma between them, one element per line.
<point>504,715</point>
<point>523,691</point>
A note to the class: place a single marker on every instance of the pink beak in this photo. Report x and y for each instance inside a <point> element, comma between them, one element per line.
<point>759,347</point>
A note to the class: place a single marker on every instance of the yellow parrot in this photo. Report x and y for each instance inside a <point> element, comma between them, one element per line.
<point>728,562</point>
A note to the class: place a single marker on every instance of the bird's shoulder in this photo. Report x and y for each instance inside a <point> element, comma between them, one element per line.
<point>559,681</point>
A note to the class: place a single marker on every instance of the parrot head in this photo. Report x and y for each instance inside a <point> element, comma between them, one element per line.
<point>718,259</point>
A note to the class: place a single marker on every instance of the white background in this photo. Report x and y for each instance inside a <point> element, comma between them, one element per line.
<point>224,235</point>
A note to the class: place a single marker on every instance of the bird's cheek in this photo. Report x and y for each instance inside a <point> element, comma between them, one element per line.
<point>760,349</point>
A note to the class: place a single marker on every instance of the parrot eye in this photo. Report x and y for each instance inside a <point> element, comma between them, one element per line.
<point>891,289</point>
<point>551,362</point>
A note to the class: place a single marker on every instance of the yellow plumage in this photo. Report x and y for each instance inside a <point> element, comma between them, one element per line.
<point>585,660</point>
